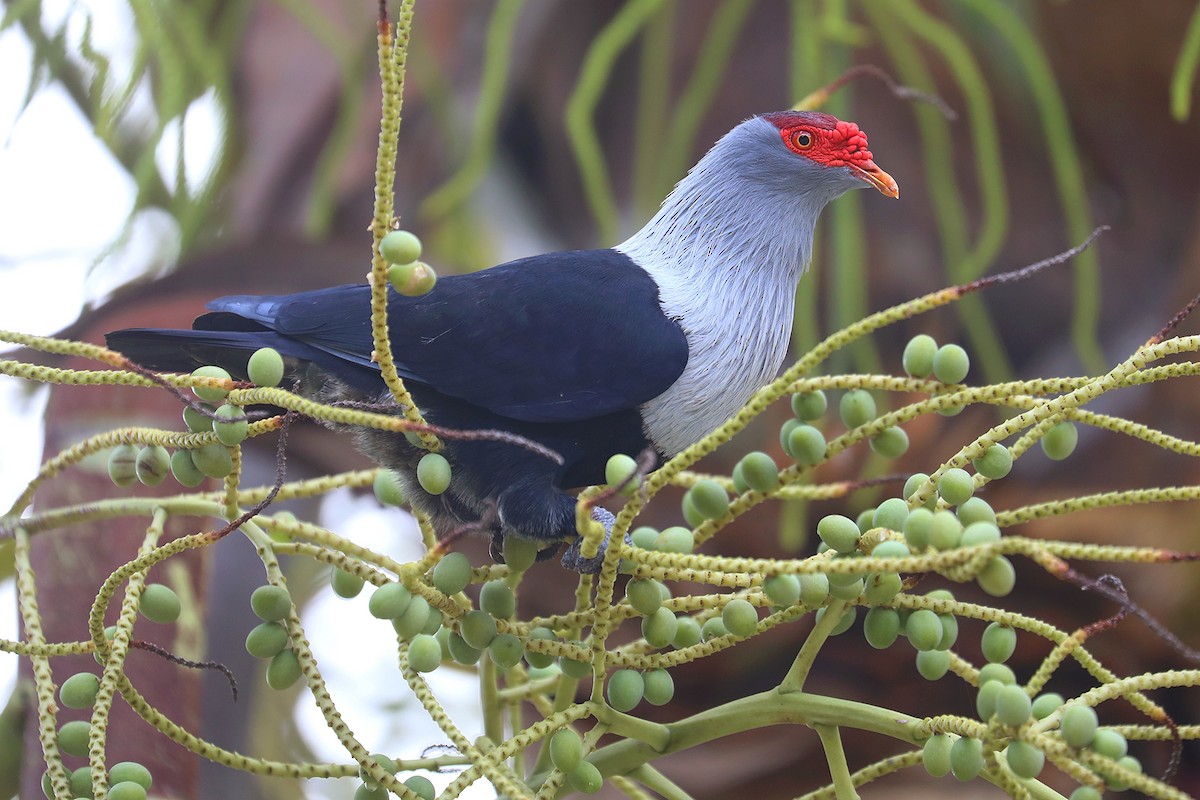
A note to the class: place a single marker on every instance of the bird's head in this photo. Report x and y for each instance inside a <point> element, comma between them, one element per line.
<point>837,148</point>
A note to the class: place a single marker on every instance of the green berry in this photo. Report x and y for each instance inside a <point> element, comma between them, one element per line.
<point>932,665</point>
<point>976,509</point>
<point>213,460</point>
<point>195,421</point>
<point>265,367</point>
<point>585,778</point>
<point>385,763</point>
<point>881,587</point>
<point>210,394</point>
<point>424,653</point>
<point>710,499</point>
<point>923,629</point>
<point>783,590</point>
<point>1078,725</point>
<point>1013,705</point>
<point>625,689</point>
<point>995,463</point>
<point>949,631</point>
<point>690,515</point>
<point>740,617</point>
<point>1126,762</point>
<point>846,587</point>
<point>966,758</point>
<point>979,533</point>
<point>935,755</point>
<point>122,465</point>
<point>675,539</point>
<point>659,687</point>
<point>840,533</point>
<point>231,425</point>
<point>463,653</point>
<point>152,464</point>
<point>1059,442</point>
<point>535,659</point>
<point>916,528</point>
<point>807,445</point>
<point>890,442</point>
<point>184,469</point>
<point>388,488</point>
<point>997,673</point>
<point>566,750</point>
<point>433,622</point>
<point>266,640</point>
<point>415,618</point>
<point>857,407</point>
<point>881,627</point>
<point>271,603</point>
<point>506,650</point>
<point>759,471</point>
<point>998,643</point>
<point>945,531</point>
<point>1046,704</point>
<point>785,435</point>
<point>951,364</point>
<point>918,356</point>
<point>283,671</point>
<point>1025,760</point>
<point>659,628</point>
<point>346,584</point>
<point>433,473</point>
<point>714,628</point>
<point>389,601</point>
<point>687,633</point>
<point>576,669</point>
<point>955,486</point>
<point>478,628</point>
<point>400,247</point>
<point>1110,744</point>
<point>81,782</point>
<point>126,791</point>
<point>519,553</point>
<point>814,589</point>
<point>891,514</point>
<point>159,603</point>
<point>412,279</point>
<point>865,521</point>
<point>79,690</point>
<point>497,598</point>
<point>809,406</point>
<point>644,595</point>
<point>998,577</point>
<point>73,737</point>
<point>131,772</point>
<point>621,470</point>
<point>452,574</point>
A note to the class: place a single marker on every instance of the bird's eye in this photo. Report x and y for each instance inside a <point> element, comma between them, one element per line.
<point>802,140</point>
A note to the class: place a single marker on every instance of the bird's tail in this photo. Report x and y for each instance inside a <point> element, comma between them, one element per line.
<point>166,350</point>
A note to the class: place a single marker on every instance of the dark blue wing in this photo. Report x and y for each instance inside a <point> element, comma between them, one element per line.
<point>552,338</point>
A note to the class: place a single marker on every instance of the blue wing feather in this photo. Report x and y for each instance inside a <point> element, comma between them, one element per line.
<point>552,338</point>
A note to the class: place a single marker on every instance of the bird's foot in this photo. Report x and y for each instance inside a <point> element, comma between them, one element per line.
<point>574,560</point>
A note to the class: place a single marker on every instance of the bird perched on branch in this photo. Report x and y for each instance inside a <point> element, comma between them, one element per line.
<point>649,344</point>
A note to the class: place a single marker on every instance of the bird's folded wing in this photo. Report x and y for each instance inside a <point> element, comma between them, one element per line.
<point>553,338</point>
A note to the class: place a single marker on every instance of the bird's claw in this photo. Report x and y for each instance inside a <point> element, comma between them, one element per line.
<point>574,560</point>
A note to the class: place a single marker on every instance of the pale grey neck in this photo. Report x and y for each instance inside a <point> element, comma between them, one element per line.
<point>727,249</point>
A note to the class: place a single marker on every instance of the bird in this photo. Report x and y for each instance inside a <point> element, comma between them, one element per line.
<point>646,345</point>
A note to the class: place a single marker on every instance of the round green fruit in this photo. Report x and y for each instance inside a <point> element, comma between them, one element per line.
<point>1059,442</point>
<point>625,689</point>
<point>400,247</point>
<point>79,690</point>
<point>389,601</point>
<point>122,465</point>
<point>951,364</point>
<point>809,406</point>
<point>452,574</point>
<point>566,750</point>
<point>283,671</point>
<point>413,279</point>
<point>265,367</point>
<point>266,640</point>
<point>184,469</point>
<point>152,464</point>
<point>710,499</point>
<point>433,473</point>
<point>159,603</point>
<point>621,473</point>
<point>271,603</point>
<point>740,617</point>
<point>995,463</point>
<point>231,425</point>
<point>210,394</point>
<point>759,471</point>
<point>659,687</point>
<point>918,356</point>
<point>424,653</point>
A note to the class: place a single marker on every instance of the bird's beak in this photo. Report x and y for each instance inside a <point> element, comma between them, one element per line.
<point>873,175</point>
